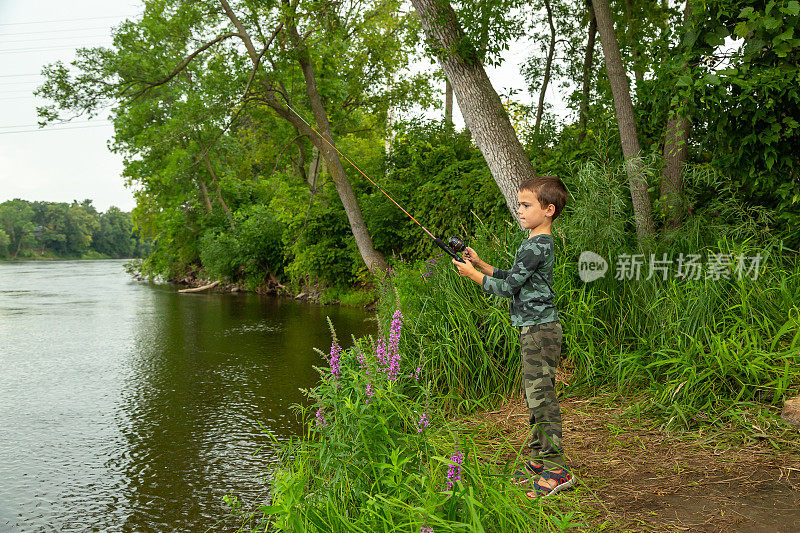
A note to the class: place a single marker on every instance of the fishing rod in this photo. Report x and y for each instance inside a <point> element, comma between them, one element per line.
<point>454,245</point>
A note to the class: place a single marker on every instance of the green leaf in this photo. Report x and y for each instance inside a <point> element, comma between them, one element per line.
<point>771,23</point>
<point>785,36</point>
<point>741,29</point>
<point>746,12</point>
<point>793,8</point>
<point>714,40</point>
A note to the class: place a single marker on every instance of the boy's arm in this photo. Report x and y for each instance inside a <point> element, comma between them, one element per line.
<point>526,263</point>
<point>498,273</point>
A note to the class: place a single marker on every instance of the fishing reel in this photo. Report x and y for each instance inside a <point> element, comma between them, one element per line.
<point>453,247</point>
<point>456,244</point>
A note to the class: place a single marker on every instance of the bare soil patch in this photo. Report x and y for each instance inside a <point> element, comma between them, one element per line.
<point>639,478</point>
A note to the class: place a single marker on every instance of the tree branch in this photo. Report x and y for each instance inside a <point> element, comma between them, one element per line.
<point>181,66</point>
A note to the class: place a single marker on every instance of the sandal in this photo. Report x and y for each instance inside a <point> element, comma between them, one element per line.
<point>521,477</point>
<point>565,479</point>
<point>539,491</point>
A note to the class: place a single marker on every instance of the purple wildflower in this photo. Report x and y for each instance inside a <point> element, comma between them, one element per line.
<point>321,419</point>
<point>336,350</point>
<point>380,351</point>
<point>423,422</point>
<point>394,345</point>
<point>362,361</point>
<point>394,367</point>
<point>370,392</point>
<point>425,529</point>
<point>454,471</point>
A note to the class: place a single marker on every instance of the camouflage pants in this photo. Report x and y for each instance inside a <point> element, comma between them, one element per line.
<point>541,351</point>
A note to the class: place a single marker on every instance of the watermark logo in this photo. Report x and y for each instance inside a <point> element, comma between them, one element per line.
<point>591,266</point>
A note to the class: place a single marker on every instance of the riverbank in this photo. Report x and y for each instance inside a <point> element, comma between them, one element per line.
<point>359,297</point>
<point>86,257</point>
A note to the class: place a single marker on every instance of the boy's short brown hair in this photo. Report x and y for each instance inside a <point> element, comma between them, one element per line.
<point>549,190</point>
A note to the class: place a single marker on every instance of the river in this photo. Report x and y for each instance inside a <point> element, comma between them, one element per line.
<point>125,406</point>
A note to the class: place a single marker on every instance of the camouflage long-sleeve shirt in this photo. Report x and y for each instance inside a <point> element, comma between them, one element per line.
<point>529,283</point>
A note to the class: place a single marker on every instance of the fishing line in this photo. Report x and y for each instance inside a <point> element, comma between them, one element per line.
<point>454,242</point>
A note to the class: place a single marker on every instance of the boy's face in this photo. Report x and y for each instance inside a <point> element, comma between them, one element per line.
<point>531,213</point>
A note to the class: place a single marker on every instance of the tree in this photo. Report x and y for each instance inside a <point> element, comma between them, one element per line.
<point>114,236</point>
<point>4,241</point>
<point>16,219</point>
<point>483,112</point>
<point>326,48</point>
<point>586,74</point>
<point>626,122</point>
<point>676,137</point>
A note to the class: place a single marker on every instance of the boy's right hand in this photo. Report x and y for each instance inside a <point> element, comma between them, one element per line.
<point>472,256</point>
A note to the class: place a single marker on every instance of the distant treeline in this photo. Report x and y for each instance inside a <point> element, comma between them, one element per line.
<point>76,230</point>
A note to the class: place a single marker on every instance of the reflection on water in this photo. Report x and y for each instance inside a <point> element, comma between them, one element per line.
<point>129,407</point>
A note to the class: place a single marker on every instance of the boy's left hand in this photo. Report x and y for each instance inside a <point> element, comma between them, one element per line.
<point>467,270</point>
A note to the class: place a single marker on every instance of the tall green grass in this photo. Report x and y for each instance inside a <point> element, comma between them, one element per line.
<point>699,346</point>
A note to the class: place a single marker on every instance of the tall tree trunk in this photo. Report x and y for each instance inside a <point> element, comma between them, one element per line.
<point>626,122</point>
<point>675,146</point>
<point>373,259</point>
<point>204,192</point>
<point>313,170</point>
<point>548,66</point>
<point>19,246</point>
<point>299,164</point>
<point>633,37</point>
<point>588,59</point>
<point>448,102</point>
<point>675,141</point>
<point>483,112</point>
<point>219,191</point>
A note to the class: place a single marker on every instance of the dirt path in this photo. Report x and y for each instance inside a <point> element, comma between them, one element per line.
<point>642,479</point>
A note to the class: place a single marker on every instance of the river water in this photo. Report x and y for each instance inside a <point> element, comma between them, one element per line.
<point>125,406</point>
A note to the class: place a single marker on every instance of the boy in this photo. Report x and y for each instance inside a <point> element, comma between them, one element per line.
<point>529,284</point>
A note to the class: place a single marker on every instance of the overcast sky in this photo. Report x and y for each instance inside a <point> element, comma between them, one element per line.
<point>74,163</point>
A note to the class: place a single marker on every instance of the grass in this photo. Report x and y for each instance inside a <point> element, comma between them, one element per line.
<point>714,356</point>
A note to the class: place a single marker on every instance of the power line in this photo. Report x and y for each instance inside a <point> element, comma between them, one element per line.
<point>65,20</point>
<point>36,125</point>
<point>19,75</point>
<point>53,38</point>
<point>55,129</point>
<point>52,31</point>
<point>26,50</point>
